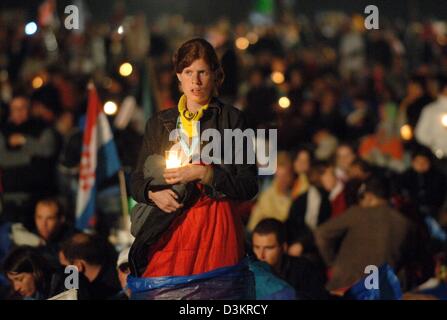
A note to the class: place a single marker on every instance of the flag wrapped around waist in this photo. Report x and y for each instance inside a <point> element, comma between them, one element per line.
<point>99,159</point>
<point>227,283</point>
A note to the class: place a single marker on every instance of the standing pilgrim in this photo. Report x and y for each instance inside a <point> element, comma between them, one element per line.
<point>191,231</point>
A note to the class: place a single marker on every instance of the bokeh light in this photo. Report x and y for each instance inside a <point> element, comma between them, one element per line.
<point>110,108</point>
<point>284,102</point>
<point>406,132</point>
<point>126,69</point>
<point>242,43</point>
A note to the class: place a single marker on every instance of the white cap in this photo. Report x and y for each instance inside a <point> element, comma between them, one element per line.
<point>123,257</point>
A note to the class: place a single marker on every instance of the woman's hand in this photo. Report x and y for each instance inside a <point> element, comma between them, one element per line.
<point>185,174</point>
<point>166,200</point>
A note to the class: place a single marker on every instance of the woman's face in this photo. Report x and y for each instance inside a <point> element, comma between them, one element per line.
<point>344,157</point>
<point>23,283</point>
<point>302,162</point>
<point>197,83</point>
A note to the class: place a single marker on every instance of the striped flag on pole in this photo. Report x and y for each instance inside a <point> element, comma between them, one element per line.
<point>99,159</point>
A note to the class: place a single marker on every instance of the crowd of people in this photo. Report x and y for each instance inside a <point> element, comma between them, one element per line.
<point>361,168</point>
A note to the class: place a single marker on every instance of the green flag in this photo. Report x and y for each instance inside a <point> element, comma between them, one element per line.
<point>265,6</point>
<point>131,203</point>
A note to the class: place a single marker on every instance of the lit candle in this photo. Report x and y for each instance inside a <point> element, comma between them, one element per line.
<point>172,159</point>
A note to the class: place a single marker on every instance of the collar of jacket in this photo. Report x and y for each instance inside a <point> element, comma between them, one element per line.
<point>169,117</point>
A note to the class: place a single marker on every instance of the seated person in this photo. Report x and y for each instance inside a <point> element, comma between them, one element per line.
<point>308,211</point>
<point>50,226</point>
<point>276,200</point>
<point>345,154</point>
<point>269,245</point>
<point>358,172</point>
<point>48,232</point>
<point>335,188</point>
<point>372,233</point>
<point>94,260</point>
<point>301,166</point>
<point>28,149</point>
<point>33,277</point>
<point>423,185</point>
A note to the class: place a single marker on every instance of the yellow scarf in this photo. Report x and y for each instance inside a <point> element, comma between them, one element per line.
<point>187,118</point>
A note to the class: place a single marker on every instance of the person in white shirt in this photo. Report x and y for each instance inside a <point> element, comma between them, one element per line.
<point>431,129</point>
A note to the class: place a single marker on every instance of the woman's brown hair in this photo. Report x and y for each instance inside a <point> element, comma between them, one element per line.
<point>29,260</point>
<point>195,49</point>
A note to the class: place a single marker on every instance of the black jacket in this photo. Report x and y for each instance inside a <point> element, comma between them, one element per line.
<point>29,168</point>
<point>297,230</point>
<point>232,181</point>
<point>307,279</point>
<point>425,191</point>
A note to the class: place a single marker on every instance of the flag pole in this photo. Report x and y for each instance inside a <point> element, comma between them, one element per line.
<point>124,201</point>
<point>123,193</point>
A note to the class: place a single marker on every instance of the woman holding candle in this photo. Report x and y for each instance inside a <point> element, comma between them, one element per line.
<point>199,233</point>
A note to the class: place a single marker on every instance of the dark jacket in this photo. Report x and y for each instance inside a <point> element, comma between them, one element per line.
<point>235,182</point>
<point>307,279</point>
<point>27,171</point>
<point>426,191</point>
<point>153,168</point>
<point>106,285</point>
<point>297,229</point>
<point>30,167</point>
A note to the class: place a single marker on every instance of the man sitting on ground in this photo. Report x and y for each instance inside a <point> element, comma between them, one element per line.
<point>92,258</point>
<point>269,245</point>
